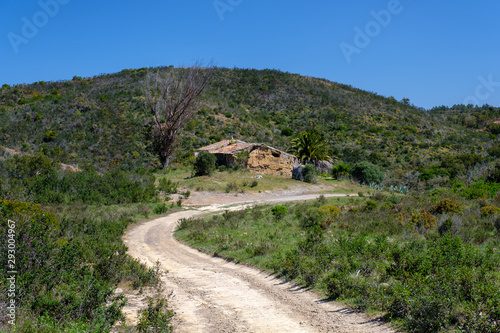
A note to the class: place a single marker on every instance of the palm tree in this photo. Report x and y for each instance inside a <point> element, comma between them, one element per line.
<point>310,147</point>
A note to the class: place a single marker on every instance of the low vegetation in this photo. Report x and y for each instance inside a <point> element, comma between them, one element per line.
<point>68,268</point>
<point>426,262</point>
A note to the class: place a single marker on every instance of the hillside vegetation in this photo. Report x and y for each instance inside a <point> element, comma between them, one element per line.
<point>102,120</point>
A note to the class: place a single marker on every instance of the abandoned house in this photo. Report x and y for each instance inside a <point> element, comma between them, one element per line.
<point>260,157</point>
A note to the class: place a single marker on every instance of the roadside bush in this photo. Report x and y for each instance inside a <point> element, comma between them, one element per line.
<point>279,212</point>
<point>157,317</point>
<point>204,165</point>
<point>67,267</point>
<point>160,208</point>
<point>367,173</point>
<point>309,174</point>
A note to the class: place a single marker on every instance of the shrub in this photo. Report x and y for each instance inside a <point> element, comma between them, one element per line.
<point>156,317</point>
<point>167,186</point>
<point>287,131</point>
<point>204,164</point>
<point>50,136</point>
<point>309,174</point>
<point>493,128</point>
<point>254,183</point>
<point>160,208</point>
<point>490,210</point>
<point>279,212</point>
<point>423,220</point>
<point>367,173</point>
<point>445,206</point>
<point>340,171</point>
<point>231,186</point>
<point>370,205</point>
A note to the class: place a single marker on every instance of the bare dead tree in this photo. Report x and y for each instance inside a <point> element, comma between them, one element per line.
<point>172,98</point>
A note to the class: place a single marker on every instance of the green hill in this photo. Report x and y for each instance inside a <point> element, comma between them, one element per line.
<point>102,120</point>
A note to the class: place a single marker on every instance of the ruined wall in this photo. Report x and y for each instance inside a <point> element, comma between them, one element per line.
<point>265,160</point>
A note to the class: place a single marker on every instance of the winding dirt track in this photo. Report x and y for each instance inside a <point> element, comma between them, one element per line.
<point>212,295</point>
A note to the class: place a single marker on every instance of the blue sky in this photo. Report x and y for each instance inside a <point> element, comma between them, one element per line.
<point>432,52</point>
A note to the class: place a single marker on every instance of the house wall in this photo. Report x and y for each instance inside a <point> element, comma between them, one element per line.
<point>270,161</point>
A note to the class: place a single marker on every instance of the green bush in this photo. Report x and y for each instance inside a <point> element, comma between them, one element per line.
<point>50,136</point>
<point>204,165</point>
<point>309,174</point>
<point>370,205</point>
<point>67,268</point>
<point>160,208</point>
<point>279,212</point>
<point>367,173</point>
<point>341,171</point>
<point>157,317</point>
<point>287,131</point>
<point>167,186</point>
<point>445,206</point>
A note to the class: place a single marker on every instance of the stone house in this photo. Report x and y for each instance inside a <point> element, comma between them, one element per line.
<point>261,158</point>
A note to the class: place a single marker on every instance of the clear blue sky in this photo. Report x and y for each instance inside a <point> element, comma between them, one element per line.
<point>432,52</point>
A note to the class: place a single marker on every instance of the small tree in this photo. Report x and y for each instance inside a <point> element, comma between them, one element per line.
<point>310,147</point>
<point>340,171</point>
<point>204,164</point>
<point>171,99</point>
<point>366,172</point>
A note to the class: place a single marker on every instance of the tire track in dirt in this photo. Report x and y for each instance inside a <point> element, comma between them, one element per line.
<point>212,295</point>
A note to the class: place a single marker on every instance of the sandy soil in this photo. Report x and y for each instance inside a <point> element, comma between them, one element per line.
<point>212,295</point>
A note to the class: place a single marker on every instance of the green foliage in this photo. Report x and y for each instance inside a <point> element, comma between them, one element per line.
<point>157,317</point>
<point>50,136</point>
<point>367,173</point>
<point>493,128</point>
<point>167,186</point>
<point>370,205</point>
<point>287,131</point>
<point>310,147</point>
<point>38,178</point>
<point>67,268</point>
<point>308,174</point>
<point>425,275</point>
<point>104,120</point>
<point>204,164</point>
<point>477,190</point>
<point>341,171</point>
<point>494,150</point>
<point>161,208</point>
<point>446,206</point>
<point>279,212</point>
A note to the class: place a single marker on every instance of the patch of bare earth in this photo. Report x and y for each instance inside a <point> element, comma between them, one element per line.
<point>210,294</point>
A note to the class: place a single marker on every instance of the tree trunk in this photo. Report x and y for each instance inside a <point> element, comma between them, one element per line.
<point>165,162</point>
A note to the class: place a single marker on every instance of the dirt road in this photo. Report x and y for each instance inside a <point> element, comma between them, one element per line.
<point>212,295</point>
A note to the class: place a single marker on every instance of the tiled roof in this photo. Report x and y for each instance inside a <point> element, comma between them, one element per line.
<point>219,145</point>
<point>233,148</point>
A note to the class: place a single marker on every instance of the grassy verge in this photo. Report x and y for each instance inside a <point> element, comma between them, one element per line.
<point>427,263</point>
<point>247,181</point>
